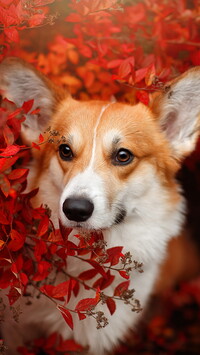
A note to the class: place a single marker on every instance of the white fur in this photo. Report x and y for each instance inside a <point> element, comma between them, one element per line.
<point>95,135</point>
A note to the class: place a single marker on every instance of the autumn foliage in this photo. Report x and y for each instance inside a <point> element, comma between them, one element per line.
<point>95,49</point>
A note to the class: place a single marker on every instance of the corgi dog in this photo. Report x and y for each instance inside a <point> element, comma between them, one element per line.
<point>115,173</point>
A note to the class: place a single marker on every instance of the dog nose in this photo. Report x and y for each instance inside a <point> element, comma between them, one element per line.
<point>78,209</point>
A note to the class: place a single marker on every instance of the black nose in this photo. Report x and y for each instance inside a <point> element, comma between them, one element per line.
<point>78,209</point>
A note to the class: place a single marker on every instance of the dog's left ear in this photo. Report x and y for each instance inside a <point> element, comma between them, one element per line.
<point>20,82</point>
<point>178,110</point>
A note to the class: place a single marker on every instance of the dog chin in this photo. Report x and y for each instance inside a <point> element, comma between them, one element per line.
<point>92,225</point>
<point>85,226</point>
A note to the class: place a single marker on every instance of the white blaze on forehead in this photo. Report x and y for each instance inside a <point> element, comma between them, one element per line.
<point>88,184</point>
<point>95,134</point>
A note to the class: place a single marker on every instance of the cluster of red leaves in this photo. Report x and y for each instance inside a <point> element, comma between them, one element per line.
<point>171,326</point>
<point>54,344</point>
<point>18,15</point>
<point>128,50</point>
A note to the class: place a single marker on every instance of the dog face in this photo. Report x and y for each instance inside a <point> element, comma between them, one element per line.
<point>116,161</point>
<point>112,156</point>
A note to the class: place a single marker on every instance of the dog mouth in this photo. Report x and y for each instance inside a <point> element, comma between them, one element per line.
<point>86,226</point>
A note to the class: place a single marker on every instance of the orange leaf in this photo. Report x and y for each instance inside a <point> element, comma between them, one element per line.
<point>150,75</point>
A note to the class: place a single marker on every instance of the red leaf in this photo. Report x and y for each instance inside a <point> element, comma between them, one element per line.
<point>8,135</point>
<point>76,289</point>
<point>114,255</point>
<point>51,341</point>
<point>17,174</point>
<point>64,231</point>
<point>2,244</point>
<point>58,291</point>
<point>6,163</point>
<point>14,113</point>
<point>81,315</point>
<point>44,268</point>
<point>88,303</point>
<point>17,265</point>
<point>124,274</point>
<point>5,185</point>
<point>41,138</point>
<point>74,18</point>
<point>140,74</point>
<point>69,345</point>
<point>17,241</point>
<point>10,151</point>
<point>36,146</point>
<point>66,315</point>
<point>36,111</point>
<point>121,288</point>
<point>23,278</point>
<point>4,219</point>
<point>195,57</point>
<point>13,295</point>
<point>43,226</point>
<point>98,267</point>
<point>6,279</point>
<point>111,305</point>
<point>88,275</point>
<point>114,63</point>
<point>126,67</point>
<point>150,75</point>
<point>143,96</point>
<point>36,19</point>
<point>85,51</point>
<point>40,249</point>
<point>27,105</point>
<point>104,283</point>
<point>12,34</point>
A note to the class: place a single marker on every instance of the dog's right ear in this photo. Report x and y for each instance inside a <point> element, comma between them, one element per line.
<point>20,82</point>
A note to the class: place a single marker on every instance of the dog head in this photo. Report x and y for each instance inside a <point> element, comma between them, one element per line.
<point>116,161</point>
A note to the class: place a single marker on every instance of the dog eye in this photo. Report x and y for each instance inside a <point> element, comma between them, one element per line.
<point>65,152</point>
<point>123,157</point>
